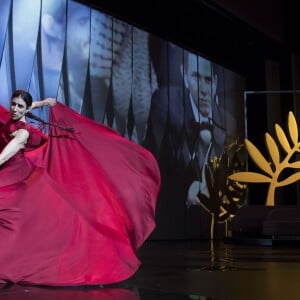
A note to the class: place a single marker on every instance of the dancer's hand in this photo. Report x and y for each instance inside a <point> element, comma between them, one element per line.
<point>50,101</point>
<point>41,103</point>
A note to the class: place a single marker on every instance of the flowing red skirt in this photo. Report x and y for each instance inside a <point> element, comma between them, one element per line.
<point>76,210</point>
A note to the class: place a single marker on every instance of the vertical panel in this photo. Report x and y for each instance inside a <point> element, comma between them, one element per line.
<point>231,98</point>
<point>4,15</point>
<point>121,74</point>
<point>296,87</point>
<point>141,84</point>
<point>200,90</point>
<point>157,124</point>
<point>25,33</point>
<point>53,31</point>
<point>77,52</point>
<point>5,76</point>
<point>34,90</point>
<point>34,87</point>
<point>101,61</point>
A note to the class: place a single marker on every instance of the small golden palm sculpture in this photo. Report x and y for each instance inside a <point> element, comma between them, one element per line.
<point>272,170</point>
<point>225,197</point>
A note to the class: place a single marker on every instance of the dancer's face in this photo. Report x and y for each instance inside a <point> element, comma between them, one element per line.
<point>18,108</point>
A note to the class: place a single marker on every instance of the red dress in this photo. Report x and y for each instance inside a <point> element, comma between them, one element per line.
<point>75,207</point>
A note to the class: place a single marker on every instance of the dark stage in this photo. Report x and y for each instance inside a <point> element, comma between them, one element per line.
<point>192,270</point>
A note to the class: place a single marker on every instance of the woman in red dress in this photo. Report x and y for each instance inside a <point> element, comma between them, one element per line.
<point>75,205</point>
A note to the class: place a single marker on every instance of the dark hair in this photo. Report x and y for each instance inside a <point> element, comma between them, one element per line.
<point>36,118</point>
<point>28,100</point>
<point>186,54</point>
<point>24,95</point>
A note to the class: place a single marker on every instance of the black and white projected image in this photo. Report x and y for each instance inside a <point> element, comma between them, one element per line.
<point>100,64</point>
<point>189,124</point>
<point>53,33</point>
<point>25,37</point>
<point>77,52</point>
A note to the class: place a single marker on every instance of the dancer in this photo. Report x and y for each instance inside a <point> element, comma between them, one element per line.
<point>74,205</point>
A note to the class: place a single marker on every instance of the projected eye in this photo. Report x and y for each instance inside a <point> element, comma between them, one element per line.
<point>195,75</point>
<point>208,80</point>
<point>83,20</point>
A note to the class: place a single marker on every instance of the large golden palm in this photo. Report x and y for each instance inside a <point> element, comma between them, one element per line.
<point>271,170</point>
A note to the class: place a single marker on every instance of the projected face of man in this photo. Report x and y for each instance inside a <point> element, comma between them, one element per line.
<point>200,81</point>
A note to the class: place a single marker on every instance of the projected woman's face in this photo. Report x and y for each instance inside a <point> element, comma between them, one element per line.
<point>53,27</point>
<point>78,27</point>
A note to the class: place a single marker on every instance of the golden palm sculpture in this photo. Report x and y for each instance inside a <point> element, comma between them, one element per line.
<point>225,197</point>
<point>272,170</point>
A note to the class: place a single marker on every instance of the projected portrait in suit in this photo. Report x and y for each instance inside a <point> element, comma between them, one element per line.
<point>197,126</point>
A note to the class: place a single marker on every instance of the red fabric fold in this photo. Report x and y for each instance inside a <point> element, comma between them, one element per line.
<point>104,160</point>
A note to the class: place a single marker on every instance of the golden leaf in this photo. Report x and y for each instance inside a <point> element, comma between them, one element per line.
<point>282,139</point>
<point>258,158</point>
<point>249,177</point>
<point>295,165</point>
<point>293,128</point>
<point>291,179</point>
<point>273,150</point>
<point>223,211</point>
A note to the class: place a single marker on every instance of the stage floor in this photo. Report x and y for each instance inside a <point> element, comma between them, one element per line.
<point>191,270</point>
